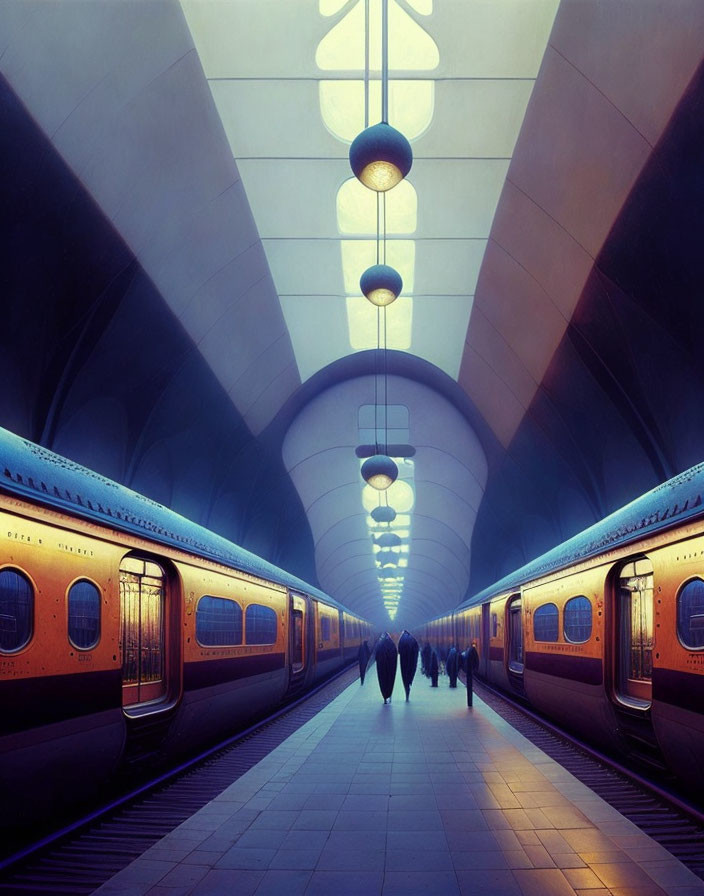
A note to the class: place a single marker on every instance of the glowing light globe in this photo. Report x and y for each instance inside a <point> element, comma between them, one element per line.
<point>380,157</point>
<point>383,514</point>
<point>381,284</point>
<point>379,471</point>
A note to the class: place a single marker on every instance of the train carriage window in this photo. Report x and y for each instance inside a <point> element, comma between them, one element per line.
<point>325,628</point>
<point>83,615</point>
<point>545,623</point>
<point>494,625</point>
<point>577,619</point>
<point>260,625</point>
<point>690,614</point>
<point>218,622</point>
<point>16,610</point>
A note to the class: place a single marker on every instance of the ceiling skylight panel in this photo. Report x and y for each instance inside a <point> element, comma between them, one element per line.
<point>400,496</point>
<point>411,48</point>
<point>356,208</point>
<point>330,7</point>
<point>358,255</point>
<point>411,105</point>
<point>362,323</point>
<point>424,7</point>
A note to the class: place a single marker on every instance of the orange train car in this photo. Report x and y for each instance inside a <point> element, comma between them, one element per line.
<point>129,634</point>
<point>605,633</point>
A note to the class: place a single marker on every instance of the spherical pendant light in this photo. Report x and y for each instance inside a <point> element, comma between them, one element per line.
<point>379,471</point>
<point>388,540</point>
<point>387,558</point>
<point>383,514</point>
<point>380,157</point>
<point>381,284</point>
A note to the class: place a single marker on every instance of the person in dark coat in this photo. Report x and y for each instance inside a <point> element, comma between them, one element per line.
<point>434,667</point>
<point>425,656</point>
<point>470,664</point>
<point>363,656</point>
<point>386,662</point>
<point>452,664</point>
<point>408,654</point>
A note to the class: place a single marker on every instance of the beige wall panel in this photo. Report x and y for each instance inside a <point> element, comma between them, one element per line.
<point>492,396</point>
<point>577,156</point>
<point>546,250</point>
<point>492,346</point>
<point>520,310</point>
<point>640,54</point>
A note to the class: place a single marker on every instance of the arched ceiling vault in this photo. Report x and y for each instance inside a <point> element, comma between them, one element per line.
<point>212,136</point>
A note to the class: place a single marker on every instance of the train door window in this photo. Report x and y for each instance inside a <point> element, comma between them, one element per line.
<point>297,634</point>
<point>690,614</point>
<point>297,658</point>
<point>83,615</point>
<point>634,624</point>
<point>16,610</point>
<point>260,625</point>
<point>494,625</point>
<point>515,636</point>
<point>142,599</point>
<point>324,628</point>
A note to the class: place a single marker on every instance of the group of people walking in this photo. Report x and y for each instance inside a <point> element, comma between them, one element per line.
<point>387,655</point>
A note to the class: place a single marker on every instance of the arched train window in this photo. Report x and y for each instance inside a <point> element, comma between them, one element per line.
<point>545,623</point>
<point>83,615</point>
<point>577,619</point>
<point>690,614</point>
<point>16,610</point>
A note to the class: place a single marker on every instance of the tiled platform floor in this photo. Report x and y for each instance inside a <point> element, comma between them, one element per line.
<point>422,797</point>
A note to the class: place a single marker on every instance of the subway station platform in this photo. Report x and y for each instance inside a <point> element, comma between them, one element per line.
<point>422,797</point>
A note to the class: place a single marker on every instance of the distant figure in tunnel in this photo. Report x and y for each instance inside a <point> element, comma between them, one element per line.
<point>408,653</point>
<point>386,662</point>
<point>434,667</point>
<point>469,661</point>
<point>363,655</point>
<point>425,656</point>
<point>452,664</point>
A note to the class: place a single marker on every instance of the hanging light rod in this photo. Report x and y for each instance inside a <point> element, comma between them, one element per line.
<point>381,156</point>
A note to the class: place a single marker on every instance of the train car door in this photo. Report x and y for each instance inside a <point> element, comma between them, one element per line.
<point>514,635</point>
<point>142,631</point>
<point>633,618</point>
<point>514,628</point>
<point>484,655</point>
<point>299,648</point>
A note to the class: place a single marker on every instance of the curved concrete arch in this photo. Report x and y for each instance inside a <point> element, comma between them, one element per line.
<point>318,452</point>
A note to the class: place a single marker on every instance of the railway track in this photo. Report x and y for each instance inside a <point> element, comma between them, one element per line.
<point>81,857</point>
<point>665,816</point>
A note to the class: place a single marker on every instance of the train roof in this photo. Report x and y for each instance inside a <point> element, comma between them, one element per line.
<point>675,501</point>
<point>34,472</point>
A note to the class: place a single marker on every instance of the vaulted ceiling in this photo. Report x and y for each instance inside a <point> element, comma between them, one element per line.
<point>185,238</point>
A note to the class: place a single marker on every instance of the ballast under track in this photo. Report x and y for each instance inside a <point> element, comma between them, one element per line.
<point>664,816</point>
<point>80,859</point>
